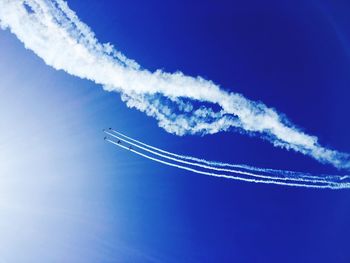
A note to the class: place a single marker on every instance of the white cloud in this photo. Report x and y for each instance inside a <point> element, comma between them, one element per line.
<point>55,33</point>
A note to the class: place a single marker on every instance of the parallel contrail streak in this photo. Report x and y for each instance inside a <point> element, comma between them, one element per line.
<point>285,173</point>
<point>329,186</point>
<point>284,178</point>
<point>181,156</point>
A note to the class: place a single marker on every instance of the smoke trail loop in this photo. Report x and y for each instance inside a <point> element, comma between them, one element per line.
<point>55,33</point>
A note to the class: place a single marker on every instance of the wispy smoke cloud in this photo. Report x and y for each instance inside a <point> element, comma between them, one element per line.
<point>54,32</point>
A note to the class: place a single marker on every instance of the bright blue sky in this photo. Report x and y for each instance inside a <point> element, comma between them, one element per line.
<point>68,196</point>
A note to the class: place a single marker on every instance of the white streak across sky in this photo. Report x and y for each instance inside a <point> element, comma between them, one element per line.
<point>55,33</point>
<point>237,172</point>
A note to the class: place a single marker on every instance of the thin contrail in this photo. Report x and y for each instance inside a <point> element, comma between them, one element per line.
<point>284,178</point>
<point>325,186</point>
<point>327,180</point>
<point>279,174</point>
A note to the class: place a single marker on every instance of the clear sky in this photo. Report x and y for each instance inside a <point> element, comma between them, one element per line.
<point>68,196</point>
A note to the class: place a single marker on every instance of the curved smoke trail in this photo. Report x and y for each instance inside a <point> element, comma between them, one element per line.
<point>252,178</point>
<point>284,173</point>
<point>278,176</point>
<point>54,32</point>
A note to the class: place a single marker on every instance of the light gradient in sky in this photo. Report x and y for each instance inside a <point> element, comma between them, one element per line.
<point>68,196</point>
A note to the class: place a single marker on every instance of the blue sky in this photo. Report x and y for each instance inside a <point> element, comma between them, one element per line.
<point>68,196</point>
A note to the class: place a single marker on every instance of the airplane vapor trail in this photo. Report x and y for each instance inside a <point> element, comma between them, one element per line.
<point>326,180</point>
<point>239,178</point>
<point>278,174</point>
<point>56,34</point>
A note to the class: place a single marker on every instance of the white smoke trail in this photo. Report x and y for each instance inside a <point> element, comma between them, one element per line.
<point>287,175</point>
<point>282,175</point>
<point>53,31</point>
<point>333,186</point>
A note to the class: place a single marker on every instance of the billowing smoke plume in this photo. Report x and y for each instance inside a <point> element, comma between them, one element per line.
<point>53,31</point>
